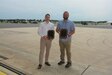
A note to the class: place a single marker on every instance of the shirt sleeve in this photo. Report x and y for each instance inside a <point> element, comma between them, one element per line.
<point>52,26</point>
<point>58,26</point>
<point>72,26</point>
<point>40,30</point>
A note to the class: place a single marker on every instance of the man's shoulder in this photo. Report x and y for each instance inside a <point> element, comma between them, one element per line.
<point>51,23</point>
<point>70,21</point>
<point>60,21</point>
<point>42,23</point>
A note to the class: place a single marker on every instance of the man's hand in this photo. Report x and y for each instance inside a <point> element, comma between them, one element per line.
<point>71,33</point>
<point>45,37</point>
<point>57,30</point>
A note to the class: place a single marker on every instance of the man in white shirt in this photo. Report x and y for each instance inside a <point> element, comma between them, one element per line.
<point>45,42</point>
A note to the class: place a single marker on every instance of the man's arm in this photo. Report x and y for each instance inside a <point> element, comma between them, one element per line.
<point>40,30</point>
<point>57,30</point>
<point>72,32</point>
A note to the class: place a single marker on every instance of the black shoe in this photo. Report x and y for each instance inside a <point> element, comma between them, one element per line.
<point>47,63</point>
<point>39,66</point>
<point>61,62</point>
<point>68,65</point>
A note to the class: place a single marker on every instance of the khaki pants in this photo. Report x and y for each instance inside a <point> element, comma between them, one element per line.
<point>65,45</point>
<point>44,44</point>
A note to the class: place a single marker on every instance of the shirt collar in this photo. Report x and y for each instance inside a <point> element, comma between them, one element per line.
<point>47,23</point>
<point>66,21</point>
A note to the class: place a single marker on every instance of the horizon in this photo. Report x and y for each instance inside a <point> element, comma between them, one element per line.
<point>86,10</point>
<point>55,19</point>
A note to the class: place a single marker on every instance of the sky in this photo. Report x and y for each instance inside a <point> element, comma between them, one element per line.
<point>79,10</point>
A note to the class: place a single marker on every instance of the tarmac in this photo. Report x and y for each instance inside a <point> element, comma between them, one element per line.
<point>91,52</point>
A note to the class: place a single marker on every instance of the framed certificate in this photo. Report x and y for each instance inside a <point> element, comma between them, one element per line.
<point>50,34</point>
<point>63,33</point>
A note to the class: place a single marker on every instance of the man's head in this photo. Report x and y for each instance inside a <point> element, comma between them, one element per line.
<point>47,17</point>
<point>65,15</point>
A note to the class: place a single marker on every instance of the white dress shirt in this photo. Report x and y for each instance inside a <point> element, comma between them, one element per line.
<point>44,27</point>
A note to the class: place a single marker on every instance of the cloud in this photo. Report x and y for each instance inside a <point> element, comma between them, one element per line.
<point>79,9</point>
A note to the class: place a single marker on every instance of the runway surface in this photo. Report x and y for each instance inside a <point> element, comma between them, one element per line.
<point>91,51</point>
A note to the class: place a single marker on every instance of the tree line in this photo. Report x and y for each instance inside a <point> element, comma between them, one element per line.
<point>36,21</point>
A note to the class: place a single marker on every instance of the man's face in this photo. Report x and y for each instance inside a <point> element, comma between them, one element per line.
<point>47,18</point>
<point>65,15</point>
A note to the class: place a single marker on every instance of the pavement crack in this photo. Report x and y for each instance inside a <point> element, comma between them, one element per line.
<point>85,70</point>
